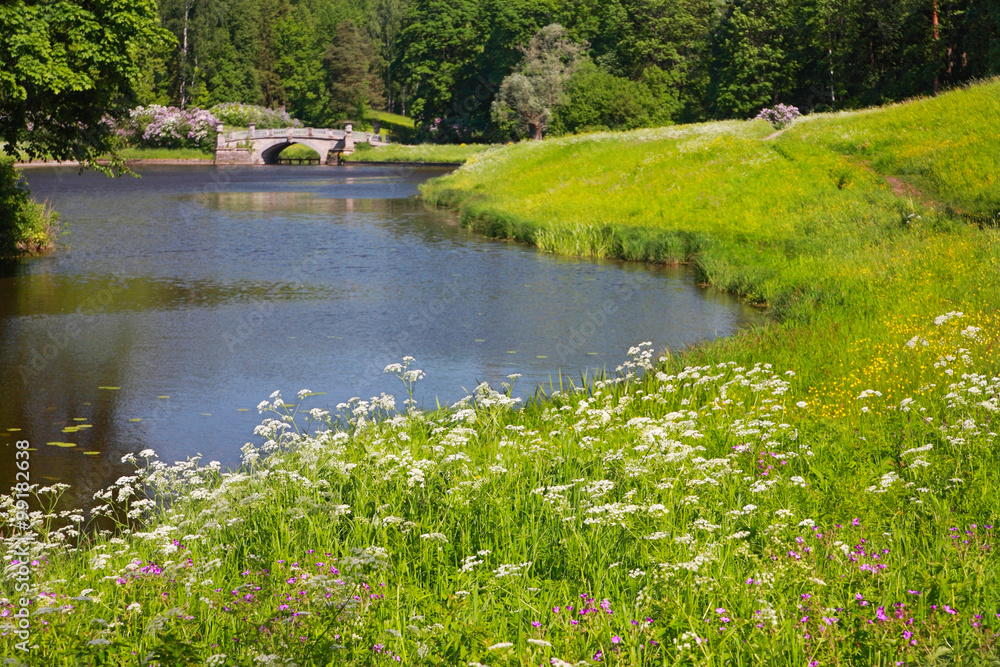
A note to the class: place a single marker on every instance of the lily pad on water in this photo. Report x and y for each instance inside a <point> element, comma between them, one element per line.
<point>61,444</point>
<point>110,388</point>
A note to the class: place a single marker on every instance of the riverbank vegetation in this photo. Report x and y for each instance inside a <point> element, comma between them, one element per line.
<point>133,153</point>
<point>26,226</point>
<point>818,491</point>
<point>444,153</point>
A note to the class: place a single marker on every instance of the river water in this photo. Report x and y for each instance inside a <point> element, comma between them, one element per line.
<point>182,299</point>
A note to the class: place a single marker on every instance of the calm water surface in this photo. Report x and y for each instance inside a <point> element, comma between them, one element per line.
<point>184,298</point>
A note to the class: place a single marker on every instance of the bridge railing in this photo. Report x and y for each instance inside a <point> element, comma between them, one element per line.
<point>302,133</point>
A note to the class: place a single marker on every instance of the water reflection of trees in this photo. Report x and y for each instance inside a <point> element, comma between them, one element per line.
<point>47,391</point>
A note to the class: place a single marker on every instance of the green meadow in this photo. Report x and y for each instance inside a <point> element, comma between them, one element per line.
<point>447,153</point>
<point>137,153</point>
<point>819,490</point>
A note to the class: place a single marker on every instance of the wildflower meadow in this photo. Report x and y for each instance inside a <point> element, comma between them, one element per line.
<point>820,490</point>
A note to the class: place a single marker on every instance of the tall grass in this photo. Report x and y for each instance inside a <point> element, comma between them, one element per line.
<point>822,490</point>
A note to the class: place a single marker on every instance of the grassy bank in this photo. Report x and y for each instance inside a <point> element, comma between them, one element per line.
<point>819,491</point>
<point>133,153</point>
<point>808,222</point>
<point>448,153</point>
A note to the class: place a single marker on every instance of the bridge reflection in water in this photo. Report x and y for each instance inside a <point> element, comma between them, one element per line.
<point>253,146</point>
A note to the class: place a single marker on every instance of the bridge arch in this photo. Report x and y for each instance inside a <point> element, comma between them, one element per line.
<point>270,153</point>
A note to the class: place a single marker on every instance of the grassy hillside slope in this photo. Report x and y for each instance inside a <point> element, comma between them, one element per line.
<point>839,221</point>
<point>819,491</point>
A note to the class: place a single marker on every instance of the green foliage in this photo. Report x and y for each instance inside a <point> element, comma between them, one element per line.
<point>601,101</point>
<point>447,60</point>
<point>527,98</point>
<point>299,49</point>
<point>235,114</point>
<point>629,37</point>
<point>385,22</point>
<point>754,66</point>
<point>351,73</point>
<point>440,44</point>
<point>63,66</point>
<point>26,227</point>
<point>400,129</point>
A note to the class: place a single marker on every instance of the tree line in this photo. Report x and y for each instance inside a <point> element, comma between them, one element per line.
<point>642,62</point>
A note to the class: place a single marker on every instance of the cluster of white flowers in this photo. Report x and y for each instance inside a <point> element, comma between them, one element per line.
<point>511,569</point>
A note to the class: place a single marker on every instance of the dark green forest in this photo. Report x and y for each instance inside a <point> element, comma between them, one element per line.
<point>645,62</point>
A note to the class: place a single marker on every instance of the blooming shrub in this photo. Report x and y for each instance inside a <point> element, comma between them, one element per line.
<point>242,115</point>
<point>780,116</point>
<point>169,127</point>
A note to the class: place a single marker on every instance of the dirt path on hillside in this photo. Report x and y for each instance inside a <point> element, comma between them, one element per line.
<point>899,185</point>
<point>903,189</point>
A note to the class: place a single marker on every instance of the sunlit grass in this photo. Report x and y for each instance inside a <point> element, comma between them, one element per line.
<point>299,151</point>
<point>387,117</point>
<point>448,153</point>
<point>134,153</point>
<point>946,146</point>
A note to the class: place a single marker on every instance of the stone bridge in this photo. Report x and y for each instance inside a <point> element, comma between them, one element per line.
<point>255,146</point>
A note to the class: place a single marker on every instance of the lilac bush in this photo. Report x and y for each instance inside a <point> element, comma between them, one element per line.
<point>781,116</point>
<point>242,115</point>
<point>170,127</point>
